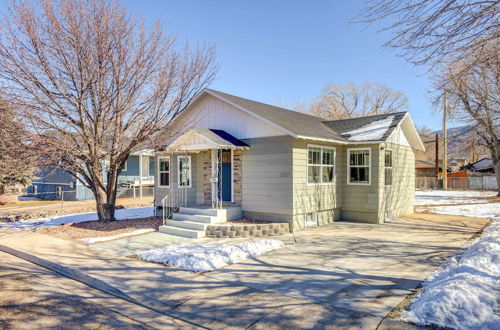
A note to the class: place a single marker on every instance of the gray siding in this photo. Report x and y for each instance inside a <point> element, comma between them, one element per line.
<point>267,178</point>
<point>196,177</point>
<point>398,198</point>
<point>361,202</point>
<point>322,199</point>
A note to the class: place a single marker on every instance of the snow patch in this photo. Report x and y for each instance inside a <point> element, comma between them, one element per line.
<point>489,210</point>
<point>27,198</point>
<point>201,258</point>
<point>464,293</point>
<point>437,197</point>
<point>92,240</point>
<point>120,214</point>
<point>373,131</point>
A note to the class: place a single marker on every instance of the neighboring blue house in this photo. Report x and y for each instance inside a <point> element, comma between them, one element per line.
<point>59,184</point>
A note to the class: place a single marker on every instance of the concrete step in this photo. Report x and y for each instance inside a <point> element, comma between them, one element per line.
<point>194,218</point>
<point>182,232</point>
<point>198,211</point>
<point>187,225</point>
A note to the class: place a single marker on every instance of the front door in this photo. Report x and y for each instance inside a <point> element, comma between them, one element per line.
<point>225,175</point>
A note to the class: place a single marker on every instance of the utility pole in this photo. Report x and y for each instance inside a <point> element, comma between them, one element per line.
<point>445,144</point>
<point>437,156</point>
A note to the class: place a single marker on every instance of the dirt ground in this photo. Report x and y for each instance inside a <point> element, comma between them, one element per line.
<point>77,231</point>
<point>33,209</point>
<point>30,300</point>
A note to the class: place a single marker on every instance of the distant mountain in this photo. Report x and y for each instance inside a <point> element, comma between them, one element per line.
<point>460,144</point>
<point>456,131</point>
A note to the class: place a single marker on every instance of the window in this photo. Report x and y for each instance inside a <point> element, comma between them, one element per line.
<point>358,166</point>
<point>388,167</point>
<point>35,190</point>
<point>164,171</point>
<point>184,171</point>
<point>320,164</point>
<point>58,191</point>
<point>124,169</point>
<point>310,220</point>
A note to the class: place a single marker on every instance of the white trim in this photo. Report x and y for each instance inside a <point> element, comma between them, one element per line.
<point>369,166</point>
<point>391,167</point>
<point>232,175</point>
<point>420,145</point>
<point>321,139</point>
<point>321,165</point>
<point>169,170</point>
<point>125,166</point>
<point>54,183</point>
<point>179,172</point>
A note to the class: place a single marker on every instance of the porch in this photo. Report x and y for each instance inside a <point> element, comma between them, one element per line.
<point>199,177</point>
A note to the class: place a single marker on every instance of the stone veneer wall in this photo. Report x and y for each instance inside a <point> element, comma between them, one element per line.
<point>207,174</point>
<point>247,230</point>
<point>237,176</point>
<point>237,179</point>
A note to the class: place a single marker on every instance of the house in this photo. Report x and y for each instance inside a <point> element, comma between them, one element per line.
<point>484,165</point>
<point>426,168</point>
<point>58,184</point>
<point>251,159</point>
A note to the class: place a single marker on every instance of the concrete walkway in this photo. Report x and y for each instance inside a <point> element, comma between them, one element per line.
<point>133,245</point>
<point>343,275</point>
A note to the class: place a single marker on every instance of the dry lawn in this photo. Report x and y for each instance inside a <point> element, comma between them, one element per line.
<point>88,229</point>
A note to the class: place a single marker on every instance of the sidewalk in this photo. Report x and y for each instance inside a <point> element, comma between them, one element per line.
<point>194,298</point>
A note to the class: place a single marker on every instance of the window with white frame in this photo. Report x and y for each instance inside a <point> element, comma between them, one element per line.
<point>124,169</point>
<point>320,164</point>
<point>58,191</point>
<point>310,219</point>
<point>164,171</point>
<point>388,167</point>
<point>359,166</point>
<point>184,171</point>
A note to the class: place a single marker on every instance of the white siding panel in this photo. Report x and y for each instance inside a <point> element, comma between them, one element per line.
<point>210,112</point>
<point>398,137</point>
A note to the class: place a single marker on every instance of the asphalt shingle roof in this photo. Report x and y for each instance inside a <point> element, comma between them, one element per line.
<point>293,121</point>
<point>347,125</point>
<point>222,138</point>
<point>311,126</point>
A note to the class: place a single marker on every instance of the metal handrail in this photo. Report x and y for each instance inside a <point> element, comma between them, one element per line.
<point>172,202</point>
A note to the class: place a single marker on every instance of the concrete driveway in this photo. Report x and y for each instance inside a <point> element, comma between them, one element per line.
<point>358,267</point>
<point>344,275</point>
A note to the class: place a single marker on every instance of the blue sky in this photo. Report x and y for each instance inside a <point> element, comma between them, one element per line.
<point>284,52</point>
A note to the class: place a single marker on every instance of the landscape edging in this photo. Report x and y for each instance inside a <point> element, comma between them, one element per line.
<point>236,230</point>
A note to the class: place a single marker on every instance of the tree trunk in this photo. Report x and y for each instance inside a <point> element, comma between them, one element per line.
<point>105,208</point>
<point>496,168</point>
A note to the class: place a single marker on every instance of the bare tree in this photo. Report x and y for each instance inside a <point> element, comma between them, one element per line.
<point>436,31</point>
<point>16,153</point>
<point>350,101</point>
<point>475,96</point>
<point>93,84</point>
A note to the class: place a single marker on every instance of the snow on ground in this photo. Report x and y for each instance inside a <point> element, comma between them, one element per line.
<point>373,131</point>
<point>464,293</point>
<point>27,198</point>
<point>120,214</point>
<point>113,237</point>
<point>436,197</point>
<point>490,210</point>
<point>201,258</point>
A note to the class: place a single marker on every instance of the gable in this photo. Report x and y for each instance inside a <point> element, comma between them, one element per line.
<point>212,113</point>
<point>398,137</point>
